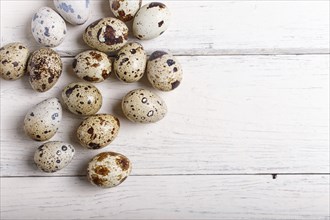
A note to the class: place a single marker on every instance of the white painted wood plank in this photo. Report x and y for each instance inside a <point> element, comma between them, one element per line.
<point>232,114</point>
<point>168,197</point>
<point>202,27</point>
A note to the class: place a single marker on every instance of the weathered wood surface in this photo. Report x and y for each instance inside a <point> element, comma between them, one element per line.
<point>254,100</point>
<point>168,197</point>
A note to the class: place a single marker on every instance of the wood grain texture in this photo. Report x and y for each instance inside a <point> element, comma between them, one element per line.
<point>202,27</point>
<point>232,114</point>
<point>236,112</point>
<point>166,197</point>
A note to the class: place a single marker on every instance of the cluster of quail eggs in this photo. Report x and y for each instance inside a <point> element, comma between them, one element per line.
<point>44,66</point>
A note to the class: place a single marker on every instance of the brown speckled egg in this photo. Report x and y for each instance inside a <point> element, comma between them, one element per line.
<point>53,156</point>
<point>164,71</point>
<point>43,120</point>
<point>125,10</point>
<point>82,98</point>
<point>106,34</point>
<point>92,66</point>
<point>45,68</point>
<point>143,106</point>
<point>108,169</point>
<point>130,63</point>
<point>151,21</point>
<point>13,61</point>
<point>98,131</point>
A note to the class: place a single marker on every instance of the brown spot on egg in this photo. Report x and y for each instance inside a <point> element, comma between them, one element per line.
<point>43,87</point>
<point>94,146</point>
<point>97,180</point>
<point>90,79</point>
<point>102,156</point>
<point>109,36</point>
<point>101,170</point>
<point>115,5</point>
<point>51,78</point>
<point>123,61</point>
<point>118,122</point>
<point>170,62</point>
<point>126,36</point>
<point>96,65</point>
<point>96,55</point>
<point>90,130</point>
<point>160,23</point>
<point>123,163</point>
<point>74,63</point>
<point>105,74</point>
<point>156,4</point>
<point>157,54</point>
<point>15,64</point>
<point>69,91</point>
<point>124,16</point>
<point>175,84</point>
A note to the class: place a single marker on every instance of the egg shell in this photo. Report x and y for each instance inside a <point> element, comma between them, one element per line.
<point>143,106</point>
<point>151,21</point>
<point>98,131</point>
<point>125,10</point>
<point>53,156</point>
<point>164,71</point>
<point>13,61</point>
<point>43,120</point>
<point>108,169</point>
<point>92,66</point>
<point>130,63</point>
<point>48,27</point>
<point>82,98</point>
<point>106,34</point>
<point>45,68</point>
<point>75,12</point>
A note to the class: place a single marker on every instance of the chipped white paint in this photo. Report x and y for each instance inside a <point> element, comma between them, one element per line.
<point>231,115</point>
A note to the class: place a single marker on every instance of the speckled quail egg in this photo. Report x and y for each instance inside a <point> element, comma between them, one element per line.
<point>53,156</point>
<point>106,34</point>
<point>125,10</point>
<point>82,98</point>
<point>164,71</point>
<point>75,12</point>
<point>151,21</point>
<point>130,63</point>
<point>108,169</point>
<point>43,120</point>
<point>45,68</point>
<point>98,131</point>
<point>143,106</point>
<point>13,61</point>
<point>92,66</point>
<point>48,27</point>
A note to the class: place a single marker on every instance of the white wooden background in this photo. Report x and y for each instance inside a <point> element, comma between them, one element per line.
<point>246,136</point>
